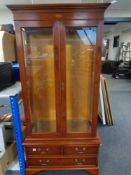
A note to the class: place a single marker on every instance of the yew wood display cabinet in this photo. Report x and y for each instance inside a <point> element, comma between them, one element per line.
<point>59,52</point>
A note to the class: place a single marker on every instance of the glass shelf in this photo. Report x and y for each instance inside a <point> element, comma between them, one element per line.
<point>44,126</point>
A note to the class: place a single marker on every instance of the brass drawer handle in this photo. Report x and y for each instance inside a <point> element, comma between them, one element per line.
<point>62,86</point>
<point>76,148</point>
<point>80,162</point>
<point>43,151</point>
<point>80,152</point>
<point>44,162</point>
<point>84,148</point>
<point>34,149</point>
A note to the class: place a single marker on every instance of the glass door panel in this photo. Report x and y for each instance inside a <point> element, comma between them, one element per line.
<point>39,64</point>
<point>80,49</point>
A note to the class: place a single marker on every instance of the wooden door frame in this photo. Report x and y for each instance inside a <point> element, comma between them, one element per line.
<point>61,75</point>
<point>97,67</point>
<point>20,53</point>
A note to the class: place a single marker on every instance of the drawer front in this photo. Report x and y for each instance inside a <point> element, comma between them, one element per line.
<point>80,149</point>
<point>77,161</point>
<point>43,150</point>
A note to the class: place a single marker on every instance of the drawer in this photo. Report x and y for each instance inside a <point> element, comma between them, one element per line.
<point>80,149</point>
<point>43,150</point>
<point>76,161</point>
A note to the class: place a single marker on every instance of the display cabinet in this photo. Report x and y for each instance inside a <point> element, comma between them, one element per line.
<point>59,51</point>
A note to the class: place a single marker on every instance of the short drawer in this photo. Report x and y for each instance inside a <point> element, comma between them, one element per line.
<point>80,149</point>
<point>43,150</point>
<point>76,161</point>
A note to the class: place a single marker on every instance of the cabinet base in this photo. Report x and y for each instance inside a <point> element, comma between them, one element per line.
<point>90,170</point>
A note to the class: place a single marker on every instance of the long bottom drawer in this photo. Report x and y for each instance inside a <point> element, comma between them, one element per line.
<point>62,161</point>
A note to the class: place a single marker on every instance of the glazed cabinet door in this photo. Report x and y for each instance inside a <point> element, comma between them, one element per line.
<point>41,63</point>
<point>80,66</point>
<point>61,76</point>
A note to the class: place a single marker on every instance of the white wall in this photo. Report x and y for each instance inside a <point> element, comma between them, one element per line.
<point>121,29</point>
<point>126,36</point>
<point>112,51</point>
<point>6,17</point>
<point>117,13</point>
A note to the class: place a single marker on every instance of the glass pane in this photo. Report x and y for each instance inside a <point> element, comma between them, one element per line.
<point>39,63</point>
<point>80,47</point>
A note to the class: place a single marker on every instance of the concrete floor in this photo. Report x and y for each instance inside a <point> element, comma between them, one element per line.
<point>115,152</point>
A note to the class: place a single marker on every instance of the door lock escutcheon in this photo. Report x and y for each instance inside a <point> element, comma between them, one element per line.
<point>62,86</point>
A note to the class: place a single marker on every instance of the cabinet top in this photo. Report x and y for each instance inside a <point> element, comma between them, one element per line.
<point>100,6</point>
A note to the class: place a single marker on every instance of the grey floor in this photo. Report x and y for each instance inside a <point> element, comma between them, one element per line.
<point>115,152</point>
